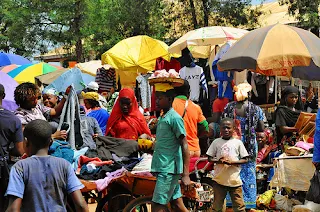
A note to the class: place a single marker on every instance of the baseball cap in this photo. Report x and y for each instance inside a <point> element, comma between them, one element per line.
<point>93,86</point>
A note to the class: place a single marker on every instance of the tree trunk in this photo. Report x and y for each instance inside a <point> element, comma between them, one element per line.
<point>194,15</point>
<point>205,5</point>
<point>77,25</point>
<point>315,30</point>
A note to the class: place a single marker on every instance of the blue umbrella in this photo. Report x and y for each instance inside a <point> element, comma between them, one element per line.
<point>8,59</point>
<point>70,77</point>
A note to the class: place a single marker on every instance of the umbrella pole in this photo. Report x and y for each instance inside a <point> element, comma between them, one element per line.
<point>276,90</point>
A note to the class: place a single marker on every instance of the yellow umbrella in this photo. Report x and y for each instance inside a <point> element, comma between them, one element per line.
<point>136,54</point>
<point>200,41</point>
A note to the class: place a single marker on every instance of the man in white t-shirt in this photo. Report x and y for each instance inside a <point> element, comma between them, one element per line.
<point>196,78</point>
<point>229,153</point>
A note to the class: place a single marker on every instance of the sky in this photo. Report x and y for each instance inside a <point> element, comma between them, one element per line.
<point>254,2</point>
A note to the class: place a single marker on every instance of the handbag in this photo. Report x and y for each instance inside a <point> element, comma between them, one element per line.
<point>314,193</point>
<point>237,127</point>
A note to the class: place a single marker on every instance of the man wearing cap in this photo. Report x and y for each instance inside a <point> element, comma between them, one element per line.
<point>94,87</point>
<point>10,131</point>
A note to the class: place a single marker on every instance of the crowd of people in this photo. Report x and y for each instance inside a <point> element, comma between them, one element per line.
<point>237,141</point>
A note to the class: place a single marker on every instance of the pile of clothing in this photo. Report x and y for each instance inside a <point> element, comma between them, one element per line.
<point>112,158</point>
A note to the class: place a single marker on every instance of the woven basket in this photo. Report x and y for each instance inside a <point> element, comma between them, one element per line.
<point>175,82</point>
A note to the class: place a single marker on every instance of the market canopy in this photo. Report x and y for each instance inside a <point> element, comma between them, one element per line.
<point>277,50</point>
<point>200,41</point>
<point>91,67</point>
<point>9,85</point>
<point>27,73</point>
<point>136,54</point>
<point>8,59</point>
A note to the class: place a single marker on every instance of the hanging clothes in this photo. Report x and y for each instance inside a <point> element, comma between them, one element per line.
<point>223,79</point>
<point>163,64</point>
<point>106,79</point>
<point>196,78</point>
<point>260,88</point>
<point>143,91</point>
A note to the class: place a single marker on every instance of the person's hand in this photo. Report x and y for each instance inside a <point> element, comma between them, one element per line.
<point>227,161</point>
<point>95,136</point>
<point>186,182</point>
<point>60,135</point>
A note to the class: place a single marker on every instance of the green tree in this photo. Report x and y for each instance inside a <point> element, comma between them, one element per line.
<point>306,12</point>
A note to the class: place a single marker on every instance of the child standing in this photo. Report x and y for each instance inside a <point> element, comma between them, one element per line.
<point>171,154</point>
<point>229,153</point>
<point>42,182</point>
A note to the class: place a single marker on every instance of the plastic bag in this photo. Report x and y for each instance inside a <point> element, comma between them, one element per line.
<point>313,193</point>
<point>283,203</point>
<point>265,198</point>
<point>307,207</point>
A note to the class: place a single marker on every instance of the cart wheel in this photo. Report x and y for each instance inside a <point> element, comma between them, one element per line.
<point>114,201</point>
<point>141,204</point>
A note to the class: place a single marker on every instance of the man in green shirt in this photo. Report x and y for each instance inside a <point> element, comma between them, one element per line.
<point>171,155</point>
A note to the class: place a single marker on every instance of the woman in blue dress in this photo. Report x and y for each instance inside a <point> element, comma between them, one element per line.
<point>251,119</point>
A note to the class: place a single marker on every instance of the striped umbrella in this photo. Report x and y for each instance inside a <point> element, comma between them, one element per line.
<point>8,68</point>
<point>201,40</point>
<point>8,59</point>
<point>27,73</point>
<point>277,50</point>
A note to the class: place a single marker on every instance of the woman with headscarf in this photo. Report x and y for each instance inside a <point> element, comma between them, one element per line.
<point>251,118</point>
<point>126,121</point>
<point>287,115</point>
<point>91,102</point>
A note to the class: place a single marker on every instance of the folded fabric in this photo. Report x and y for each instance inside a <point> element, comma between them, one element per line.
<point>96,161</point>
<point>77,155</point>
<point>103,183</point>
<point>99,173</point>
<point>303,145</point>
<point>61,149</point>
<point>121,147</point>
<point>144,165</point>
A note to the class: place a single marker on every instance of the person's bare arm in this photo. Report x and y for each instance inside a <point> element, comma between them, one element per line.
<point>14,204</point>
<point>58,109</point>
<point>19,148</point>
<point>286,129</point>
<point>186,161</point>
<point>238,162</point>
<point>79,202</point>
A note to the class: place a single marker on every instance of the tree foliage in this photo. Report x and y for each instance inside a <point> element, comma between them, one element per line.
<point>34,26</point>
<point>306,12</point>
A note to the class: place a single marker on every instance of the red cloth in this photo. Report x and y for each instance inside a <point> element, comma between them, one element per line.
<point>163,64</point>
<point>219,105</point>
<point>134,123</point>
<point>96,161</point>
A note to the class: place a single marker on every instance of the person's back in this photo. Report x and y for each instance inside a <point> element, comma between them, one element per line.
<point>102,116</point>
<point>192,117</point>
<point>44,183</point>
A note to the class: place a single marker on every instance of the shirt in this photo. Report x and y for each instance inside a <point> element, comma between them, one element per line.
<point>101,116</point>
<point>39,112</point>
<point>10,129</point>
<point>167,155</point>
<point>233,150</point>
<point>219,104</point>
<point>192,117</point>
<point>43,183</point>
<point>196,78</point>
<point>89,126</point>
